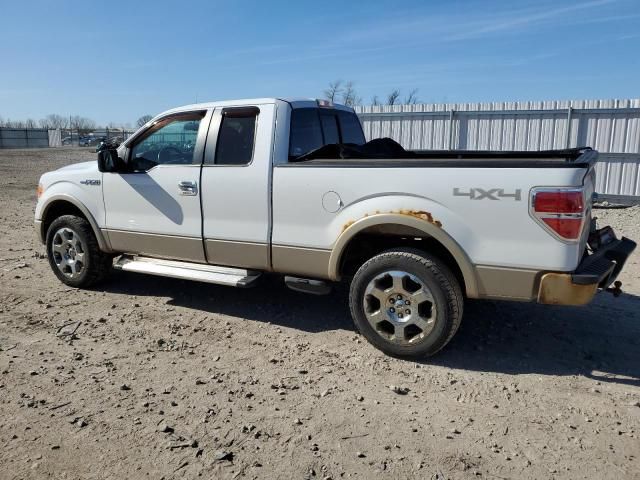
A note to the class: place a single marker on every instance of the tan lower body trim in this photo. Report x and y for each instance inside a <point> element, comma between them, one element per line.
<point>559,289</point>
<point>237,254</point>
<point>507,283</point>
<point>308,262</point>
<point>164,246</point>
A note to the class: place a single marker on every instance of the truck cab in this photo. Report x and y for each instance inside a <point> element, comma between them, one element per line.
<point>196,185</point>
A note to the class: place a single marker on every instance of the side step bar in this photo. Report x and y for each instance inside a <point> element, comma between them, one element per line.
<point>308,285</point>
<point>234,277</point>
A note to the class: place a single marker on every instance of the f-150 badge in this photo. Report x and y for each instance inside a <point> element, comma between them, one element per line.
<point>90,182</point>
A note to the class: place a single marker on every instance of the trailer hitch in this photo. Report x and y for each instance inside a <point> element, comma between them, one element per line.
<point>615,290</point>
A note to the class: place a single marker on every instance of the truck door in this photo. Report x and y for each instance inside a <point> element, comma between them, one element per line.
<point>236,175</point>
<point>154,208</point>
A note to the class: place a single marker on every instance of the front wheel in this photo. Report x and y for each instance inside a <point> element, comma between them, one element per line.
<point>406,303</point>
<point>74,254</point>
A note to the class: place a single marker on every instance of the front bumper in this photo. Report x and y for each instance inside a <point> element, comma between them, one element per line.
<point>37,224</point>
<point>596,271</point>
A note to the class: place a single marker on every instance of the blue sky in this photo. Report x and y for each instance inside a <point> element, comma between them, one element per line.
<point>119,60</point>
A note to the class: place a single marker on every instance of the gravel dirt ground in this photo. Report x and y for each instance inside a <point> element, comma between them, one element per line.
<point>147,377</point>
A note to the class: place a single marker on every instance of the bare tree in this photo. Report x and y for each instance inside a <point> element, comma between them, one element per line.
<point>143,119</point>
<point>54,121</point>
<point>412,98</point>
<point>30,123</point>
<point>334,90</point>
<point>349,95</point>
<point>82,124</point>
<point>375,100</point>
<point>392,98</point>
<point>14,123</point>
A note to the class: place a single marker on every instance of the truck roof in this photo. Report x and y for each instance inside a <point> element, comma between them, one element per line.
<point>294,102</point>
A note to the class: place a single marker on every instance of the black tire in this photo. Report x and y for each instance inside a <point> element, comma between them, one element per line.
<point>94,265</point>
<point>413,268</point>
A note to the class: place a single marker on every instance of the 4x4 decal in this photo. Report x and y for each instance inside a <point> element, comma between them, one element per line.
<point>491,194</point>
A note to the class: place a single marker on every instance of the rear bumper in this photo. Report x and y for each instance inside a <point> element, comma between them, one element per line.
<point>596,271</point>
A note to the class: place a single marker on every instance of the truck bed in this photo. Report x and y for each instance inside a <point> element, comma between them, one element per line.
<point>338,157</point>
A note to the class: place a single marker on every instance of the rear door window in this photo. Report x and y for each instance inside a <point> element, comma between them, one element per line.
<point>236,137</point>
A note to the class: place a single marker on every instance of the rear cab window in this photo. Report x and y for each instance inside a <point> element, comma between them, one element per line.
<point>312,128</point>
<point>330,129</point>
<point>306,131</point>
<point>350,128</point>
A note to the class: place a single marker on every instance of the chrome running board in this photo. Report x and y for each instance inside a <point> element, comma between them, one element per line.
<point>234,277</point>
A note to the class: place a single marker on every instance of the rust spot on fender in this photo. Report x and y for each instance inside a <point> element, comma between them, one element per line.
<point>348,224</point>
<point>419,214</point>
<point>422,215</point>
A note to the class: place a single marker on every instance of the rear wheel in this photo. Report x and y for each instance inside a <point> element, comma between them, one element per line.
<point>74,254</point>
<point>406,303</point>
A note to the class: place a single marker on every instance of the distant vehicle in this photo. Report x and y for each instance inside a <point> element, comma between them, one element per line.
<point>224,192</point>
<point>67,141</point>
<point>90,140</point>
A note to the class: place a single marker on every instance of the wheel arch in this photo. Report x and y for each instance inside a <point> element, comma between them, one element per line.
<point>393,227</point>
<point>65,204</point>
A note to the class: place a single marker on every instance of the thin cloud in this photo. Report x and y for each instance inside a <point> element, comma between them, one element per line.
<point>519,21</point>
<point>423,32</point>
<point>439,28</point>
<point>323,54</point>
<point>251,50</point>
<point>628,37</point>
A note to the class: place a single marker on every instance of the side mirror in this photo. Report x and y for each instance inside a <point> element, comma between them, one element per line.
<point>108,160</point>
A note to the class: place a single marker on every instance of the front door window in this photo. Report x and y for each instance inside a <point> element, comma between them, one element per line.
<point>171,142</point>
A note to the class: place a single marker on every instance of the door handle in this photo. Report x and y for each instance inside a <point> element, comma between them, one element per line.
<point>188,188</point>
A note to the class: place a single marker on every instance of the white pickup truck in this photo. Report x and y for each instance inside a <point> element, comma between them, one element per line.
<point>223,192</point>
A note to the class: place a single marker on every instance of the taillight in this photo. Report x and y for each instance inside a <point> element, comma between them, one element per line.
<point>560,210</point>
<point>559,202</point>
<point>39,190</point>
<point>569,228</point>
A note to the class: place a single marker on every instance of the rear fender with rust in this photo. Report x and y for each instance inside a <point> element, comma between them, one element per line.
<point>417,221</point>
